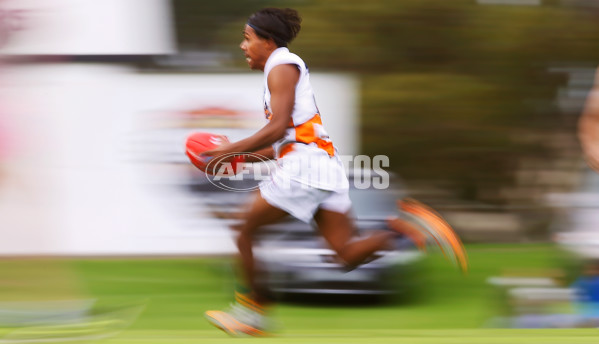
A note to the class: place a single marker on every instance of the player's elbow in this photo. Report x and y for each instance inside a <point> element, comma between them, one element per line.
<point>277,132</point>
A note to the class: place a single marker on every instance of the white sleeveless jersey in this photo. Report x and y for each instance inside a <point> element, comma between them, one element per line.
<point>305,153</point>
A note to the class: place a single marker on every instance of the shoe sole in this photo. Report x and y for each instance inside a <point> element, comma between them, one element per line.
<point>436,227</point>
<point>232,326</point>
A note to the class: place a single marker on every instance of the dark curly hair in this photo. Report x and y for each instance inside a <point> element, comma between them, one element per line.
<point>279,24</point>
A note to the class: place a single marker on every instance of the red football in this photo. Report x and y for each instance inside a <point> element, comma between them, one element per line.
<point>198,143</point>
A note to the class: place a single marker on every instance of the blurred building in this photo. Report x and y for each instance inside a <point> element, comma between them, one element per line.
<point>70,27</point>
<point>102,159</point>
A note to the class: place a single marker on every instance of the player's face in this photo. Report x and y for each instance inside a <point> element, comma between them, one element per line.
<point>255,48</point>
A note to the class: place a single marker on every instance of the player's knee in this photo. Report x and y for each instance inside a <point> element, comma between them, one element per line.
<point>247,227</point>
<point>244,238</point>
<point>346,259</point>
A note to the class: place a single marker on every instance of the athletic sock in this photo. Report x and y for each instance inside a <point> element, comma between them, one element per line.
<point>246,301</point>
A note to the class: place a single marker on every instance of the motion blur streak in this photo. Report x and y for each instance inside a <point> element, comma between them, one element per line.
<point>475,104</point>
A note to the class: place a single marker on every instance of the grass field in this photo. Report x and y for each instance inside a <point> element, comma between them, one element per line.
<point>449,307</point>
<point>365,336</point>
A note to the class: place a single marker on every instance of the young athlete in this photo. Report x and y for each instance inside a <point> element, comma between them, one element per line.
<point>309,181</point>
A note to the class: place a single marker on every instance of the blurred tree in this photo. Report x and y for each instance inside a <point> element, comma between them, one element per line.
<point>197,22</point>
<point>454,92</point>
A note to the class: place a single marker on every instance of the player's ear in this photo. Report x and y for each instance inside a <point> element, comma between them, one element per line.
<point>270,44</point>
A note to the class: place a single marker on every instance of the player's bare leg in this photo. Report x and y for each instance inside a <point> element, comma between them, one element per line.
<point>259,214</point>
<point>410,230</point>
<point>247,314</point>
<point>338,230</point>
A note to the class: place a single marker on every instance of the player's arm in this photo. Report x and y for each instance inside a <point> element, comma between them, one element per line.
<point>261,154</point>
<point>588,127</point>
<point>282,80</point>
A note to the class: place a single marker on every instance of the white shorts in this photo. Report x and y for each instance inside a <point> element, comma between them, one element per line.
<point>302,201</point>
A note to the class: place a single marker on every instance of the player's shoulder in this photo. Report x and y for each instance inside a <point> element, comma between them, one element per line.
<point>284,56</point>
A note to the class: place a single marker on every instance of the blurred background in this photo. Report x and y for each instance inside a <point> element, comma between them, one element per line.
<point>475,102</point>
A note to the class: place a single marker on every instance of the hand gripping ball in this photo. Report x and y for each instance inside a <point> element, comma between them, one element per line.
<point>200,142</point>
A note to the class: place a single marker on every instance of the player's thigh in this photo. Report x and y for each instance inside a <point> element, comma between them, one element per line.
<point>260,213</point>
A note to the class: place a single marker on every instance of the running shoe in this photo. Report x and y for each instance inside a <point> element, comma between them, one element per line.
<point>433,226</point>
<point>239,321</point>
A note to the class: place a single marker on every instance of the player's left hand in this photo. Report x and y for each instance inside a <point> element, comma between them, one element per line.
<point>220,150</point>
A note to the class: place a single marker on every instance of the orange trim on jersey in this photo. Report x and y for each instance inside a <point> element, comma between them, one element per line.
<point>286,149</point>
<point>306,133</point>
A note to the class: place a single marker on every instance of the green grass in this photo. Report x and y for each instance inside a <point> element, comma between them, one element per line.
<point>322,336</point>
<point>449,307</point>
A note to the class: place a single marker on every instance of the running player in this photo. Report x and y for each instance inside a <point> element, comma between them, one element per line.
<point>309,181</point>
